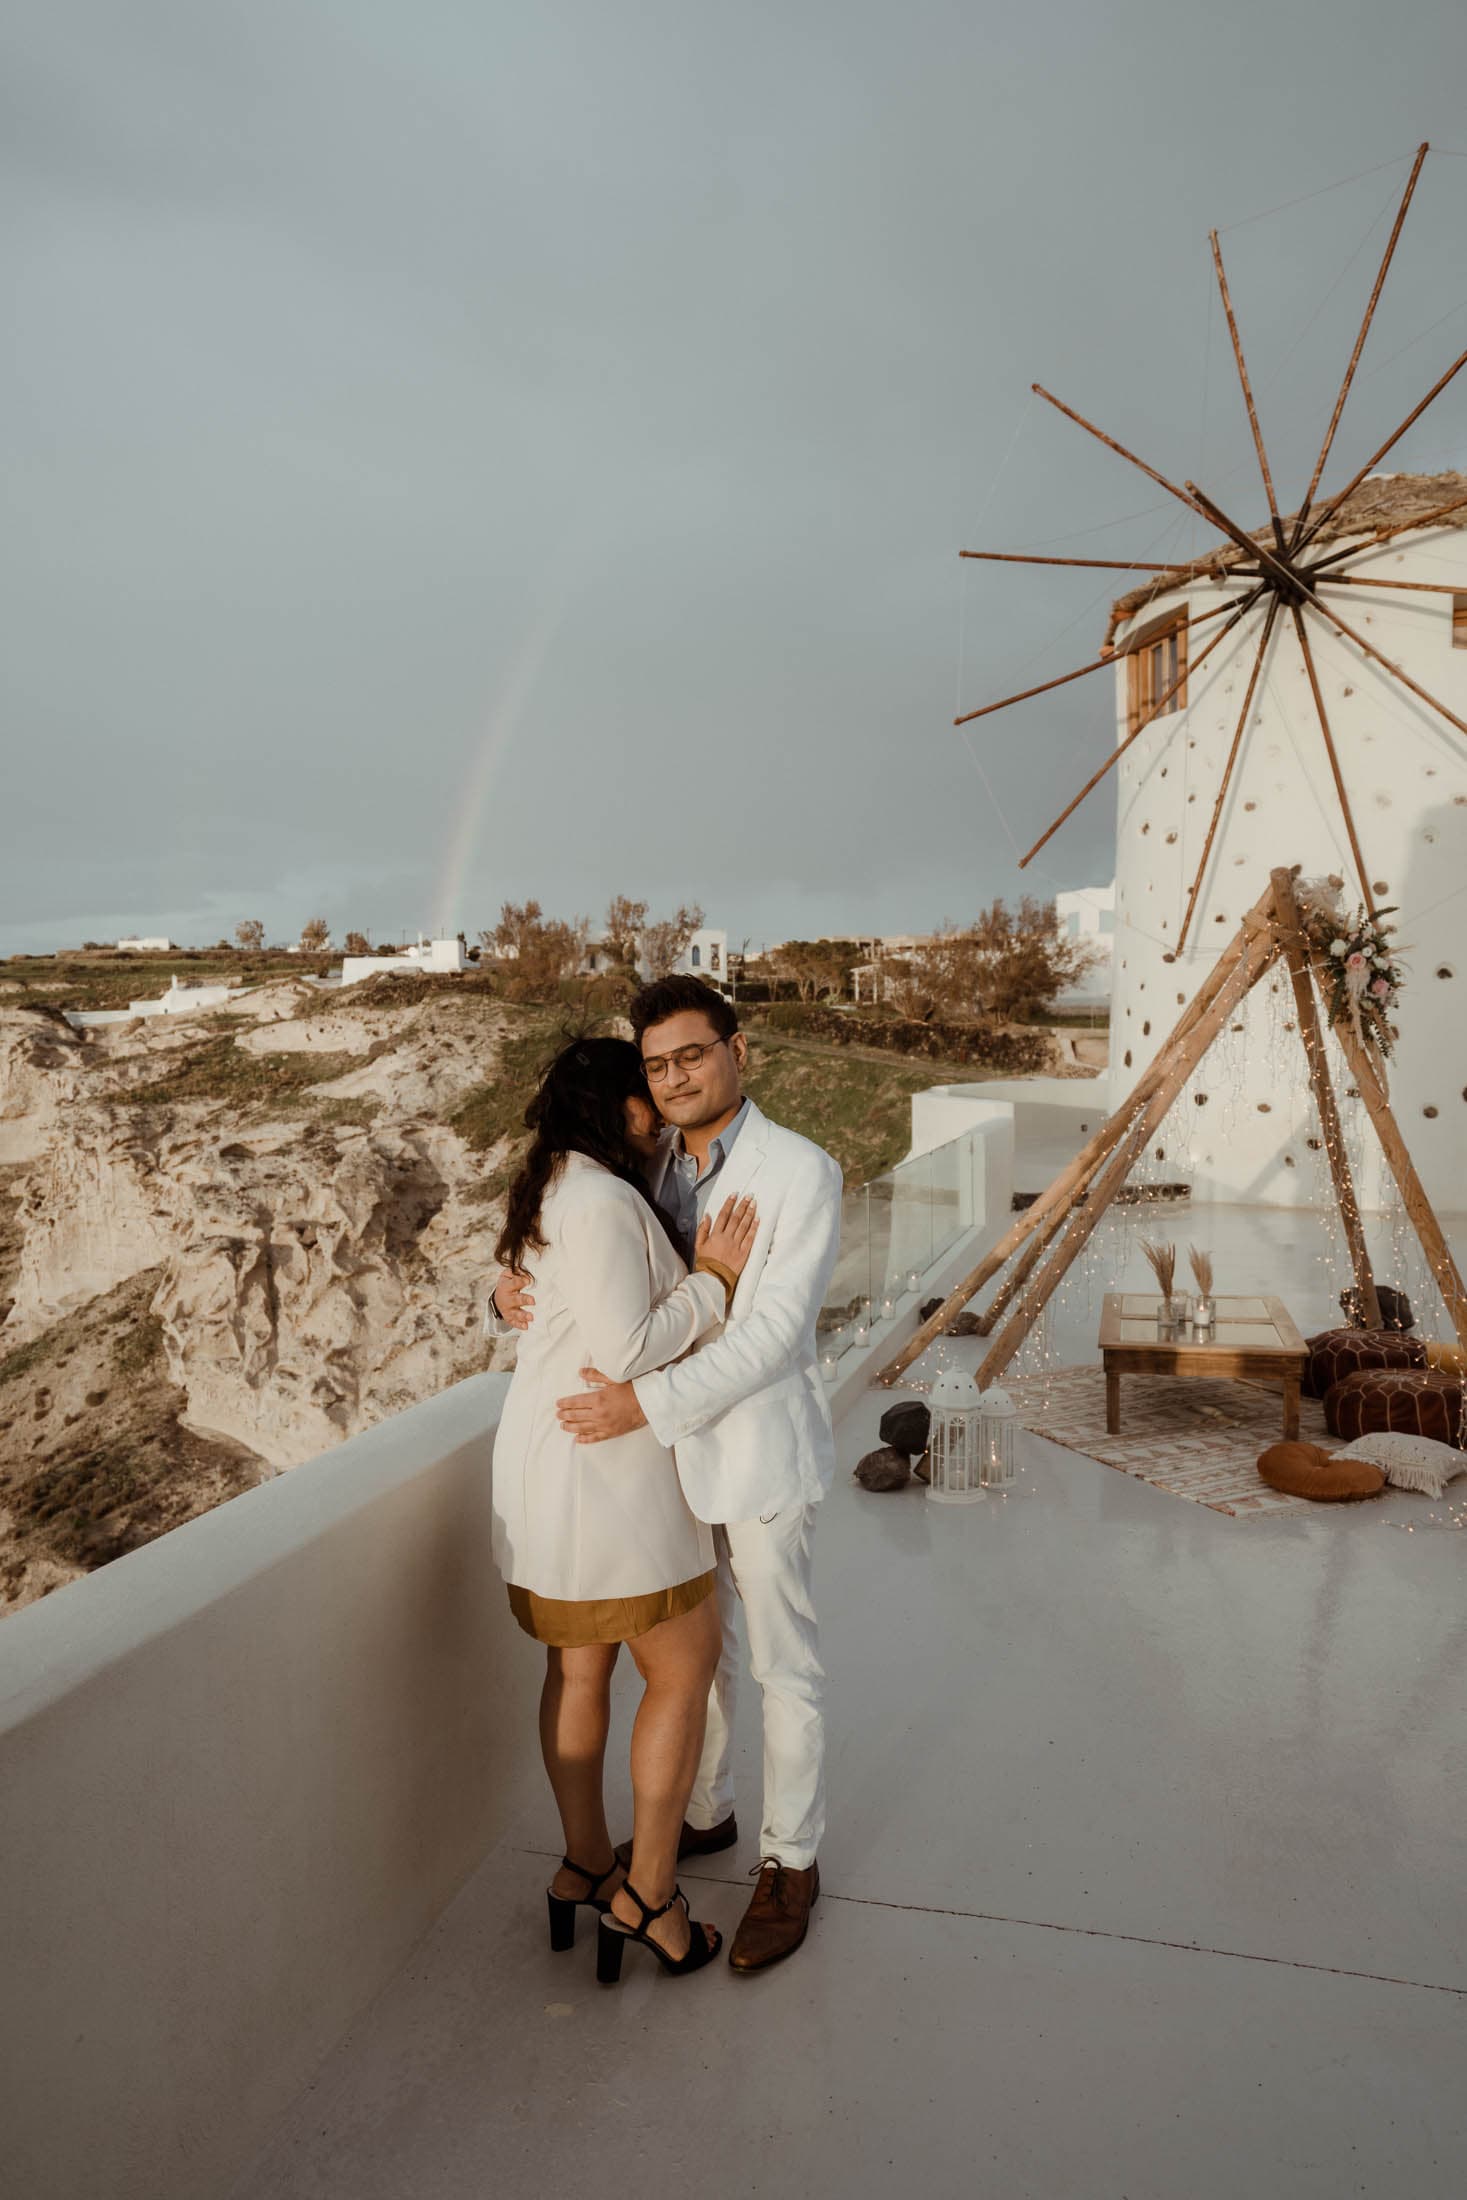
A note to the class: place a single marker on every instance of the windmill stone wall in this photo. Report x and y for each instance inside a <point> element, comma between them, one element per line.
<point>1243,1129</point>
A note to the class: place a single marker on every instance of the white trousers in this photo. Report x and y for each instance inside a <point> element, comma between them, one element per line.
<point>765,1565</point>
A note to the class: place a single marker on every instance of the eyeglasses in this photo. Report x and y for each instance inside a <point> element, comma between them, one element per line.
<point>658,1065</point>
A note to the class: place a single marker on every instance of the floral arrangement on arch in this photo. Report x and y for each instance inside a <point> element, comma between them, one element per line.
<point>1357,965</point>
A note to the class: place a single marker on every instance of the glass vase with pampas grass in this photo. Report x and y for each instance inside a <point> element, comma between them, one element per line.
<point>1204,1308</point>
<point>1162,1261</point>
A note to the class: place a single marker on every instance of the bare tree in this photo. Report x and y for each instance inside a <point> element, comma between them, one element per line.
<point>357,943</point>
<point>315,936</point>
<point>938,978</point>
<point>817,969</point>
<point>250,935</point>
<point>626,920</point>
<point>519,924</point>
<point>663,942</point>
<point>1025,960</point>
<point>1009,964</point>
<point>544,950</point>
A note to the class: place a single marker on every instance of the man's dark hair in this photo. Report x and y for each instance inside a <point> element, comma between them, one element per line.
<point>674,997</point>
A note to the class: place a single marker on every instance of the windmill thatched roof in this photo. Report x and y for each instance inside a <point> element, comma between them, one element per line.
<point>1382,500</point>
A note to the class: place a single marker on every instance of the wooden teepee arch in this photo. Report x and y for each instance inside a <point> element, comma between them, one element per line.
<point>1048,1236</point>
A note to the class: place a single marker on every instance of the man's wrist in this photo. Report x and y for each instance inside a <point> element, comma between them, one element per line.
<point>645,1390</point>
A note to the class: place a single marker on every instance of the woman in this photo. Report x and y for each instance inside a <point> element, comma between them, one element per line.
<point>596,1542</point>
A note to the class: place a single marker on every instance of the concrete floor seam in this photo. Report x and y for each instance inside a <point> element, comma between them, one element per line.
<point>1091,1932</point>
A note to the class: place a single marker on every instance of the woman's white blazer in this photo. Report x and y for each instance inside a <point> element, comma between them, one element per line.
<point>597,1520</point>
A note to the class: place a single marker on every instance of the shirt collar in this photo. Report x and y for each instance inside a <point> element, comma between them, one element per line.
<point>720,1147</point>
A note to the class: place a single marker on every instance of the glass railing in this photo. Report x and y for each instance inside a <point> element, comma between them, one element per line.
<point>894,1230</point>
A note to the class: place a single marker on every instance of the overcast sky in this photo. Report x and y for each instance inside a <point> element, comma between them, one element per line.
<point>457,451</point>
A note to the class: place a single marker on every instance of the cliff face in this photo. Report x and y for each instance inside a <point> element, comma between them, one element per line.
<point>41,1061</point>
<point>315,1234</point>
<point>307,1298</point>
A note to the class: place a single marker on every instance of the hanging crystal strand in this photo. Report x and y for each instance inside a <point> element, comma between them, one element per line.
<point>1043,1340</point>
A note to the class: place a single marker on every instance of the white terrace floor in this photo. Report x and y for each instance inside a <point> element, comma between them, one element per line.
<point>1144,1881</point>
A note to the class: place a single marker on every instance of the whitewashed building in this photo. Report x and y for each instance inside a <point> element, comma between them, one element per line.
<point>705,956</point>
<point>419,959</point>
<point>1245,1130</point>
<point>145,947</point>
<point>1088,914</point>
<point>181,999</point>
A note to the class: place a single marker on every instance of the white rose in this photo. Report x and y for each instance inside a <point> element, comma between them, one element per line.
<point>1339,947</point>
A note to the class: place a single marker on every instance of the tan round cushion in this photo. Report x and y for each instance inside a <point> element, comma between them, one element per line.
<point>1304,1470</point>
<point>1418,1400</point>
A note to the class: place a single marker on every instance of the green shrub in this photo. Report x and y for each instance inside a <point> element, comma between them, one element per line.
<point>220,1070</point>
<point>139,1345</point>
<point>1007,1052</point>
<point>22,1359</point>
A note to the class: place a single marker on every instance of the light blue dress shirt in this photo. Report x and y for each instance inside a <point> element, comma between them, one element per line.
<point>684,1196</point>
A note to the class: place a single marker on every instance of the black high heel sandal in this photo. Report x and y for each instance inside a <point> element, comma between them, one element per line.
<point>563,1907</point>
<point>612,1937</point>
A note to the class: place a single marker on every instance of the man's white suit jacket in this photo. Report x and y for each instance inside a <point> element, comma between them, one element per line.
<point>746,1412</point>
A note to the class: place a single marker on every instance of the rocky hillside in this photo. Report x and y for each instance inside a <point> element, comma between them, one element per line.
<point>229,1241</point>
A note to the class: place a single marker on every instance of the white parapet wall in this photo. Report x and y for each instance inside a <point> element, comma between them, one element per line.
<point>1050,1119</point>
<point>242,1770</point>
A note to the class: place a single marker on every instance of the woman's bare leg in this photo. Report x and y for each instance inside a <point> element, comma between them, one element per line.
<point>575,1715</point>
<point>677,1661</point>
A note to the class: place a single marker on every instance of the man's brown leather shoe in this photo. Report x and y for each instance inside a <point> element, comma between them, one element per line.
<point>692,1841</point>
<point>777,1918</point>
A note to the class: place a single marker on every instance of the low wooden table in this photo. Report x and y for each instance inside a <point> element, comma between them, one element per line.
<point>1252,1338</point>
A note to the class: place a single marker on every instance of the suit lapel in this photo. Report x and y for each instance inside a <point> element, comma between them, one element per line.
<point>748,1155</point>
<point>750,1152</point>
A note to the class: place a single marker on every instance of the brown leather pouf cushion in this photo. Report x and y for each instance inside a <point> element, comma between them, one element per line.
<point>1303,1470</point>
<point>1336,1353</point>
<point>1417,1400</point>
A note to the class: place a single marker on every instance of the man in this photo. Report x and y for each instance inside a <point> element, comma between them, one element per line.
<point>747,1417</point>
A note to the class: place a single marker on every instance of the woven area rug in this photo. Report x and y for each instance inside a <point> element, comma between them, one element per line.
<point>1192,1439</point>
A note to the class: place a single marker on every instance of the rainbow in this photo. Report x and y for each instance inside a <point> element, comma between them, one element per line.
<point>504,718</point>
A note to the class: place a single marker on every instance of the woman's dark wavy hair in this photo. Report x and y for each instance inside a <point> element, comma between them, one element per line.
<point>579,1108</point>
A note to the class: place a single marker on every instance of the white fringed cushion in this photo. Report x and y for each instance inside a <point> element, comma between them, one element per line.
<point>1407,1462</point>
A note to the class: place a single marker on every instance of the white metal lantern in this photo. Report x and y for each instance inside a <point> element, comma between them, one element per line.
<point>954,1450</point>
<point>998,1420</point>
